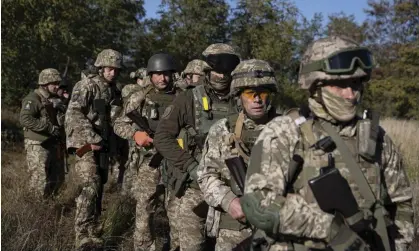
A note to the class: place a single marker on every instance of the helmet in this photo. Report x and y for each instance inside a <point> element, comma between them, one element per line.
<point>196,66</point>
<point>109,58</point>
<point>49,75</point>
<point>160,62</point>
<point>221,57</point>
<point>253,73</point>
<point>321,49</point>
<point>140,73</point>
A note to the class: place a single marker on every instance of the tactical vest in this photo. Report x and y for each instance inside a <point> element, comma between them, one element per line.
<point>310,131</point>
<point>207,112</point>
<point>154,106</point>
<point>38,136</point>
<point>241,140</point>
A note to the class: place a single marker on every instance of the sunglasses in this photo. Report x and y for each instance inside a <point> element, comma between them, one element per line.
<point>252,93</point>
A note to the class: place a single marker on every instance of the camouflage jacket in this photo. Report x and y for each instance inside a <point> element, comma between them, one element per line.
<point>141,101</point>
<point>213,174</point>
<point>34,117</point>
<point>299,214</point>
<point>81,120</point>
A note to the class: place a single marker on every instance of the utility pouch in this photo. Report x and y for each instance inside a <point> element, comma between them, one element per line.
<point>367,131</point>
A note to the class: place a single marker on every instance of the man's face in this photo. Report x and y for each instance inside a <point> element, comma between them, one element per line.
<point>192,79</point>
<point>346,89</point>
<point>53,87</point>
<point>161,79</point>
<point>255,101</point>
<point>140,81</point>
<point>110,73</point>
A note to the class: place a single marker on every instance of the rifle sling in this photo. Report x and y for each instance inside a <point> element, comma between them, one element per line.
<point>362,183</point>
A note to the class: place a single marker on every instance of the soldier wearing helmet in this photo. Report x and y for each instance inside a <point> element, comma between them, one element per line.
<point>331,180</point>
<point>83,128</point>
<point>195,72</point>
<point>148,106</point>
<point>231,140</point>
<point>180,138</point>
<point>141,81</point>
<point>38,117</point>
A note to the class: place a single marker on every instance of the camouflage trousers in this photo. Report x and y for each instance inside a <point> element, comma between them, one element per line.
<point>186,228</point>
<point>89,198</point>
<point>144,191</point>
<point>45,167</point>
<point>227,239</point>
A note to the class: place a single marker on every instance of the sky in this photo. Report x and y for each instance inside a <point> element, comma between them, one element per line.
<point>307,7</point>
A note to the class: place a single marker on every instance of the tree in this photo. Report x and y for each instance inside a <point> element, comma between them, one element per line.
<point>341,24</point>
<point>187,27</point>
<point>40,34</point>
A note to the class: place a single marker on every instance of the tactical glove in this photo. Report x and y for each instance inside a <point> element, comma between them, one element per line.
<point>54,130</point>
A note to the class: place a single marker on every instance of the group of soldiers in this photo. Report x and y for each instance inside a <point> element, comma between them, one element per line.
<point>233,168</point>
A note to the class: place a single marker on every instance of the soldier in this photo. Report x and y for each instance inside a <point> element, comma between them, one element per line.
<point>41,132</point>
<point>231,139</point>
<point>361,198</point>
<point>190,116</point>
<point>141,81</point>
<point>195,71</point>
<point>143,110</point>
<point>83,127</point>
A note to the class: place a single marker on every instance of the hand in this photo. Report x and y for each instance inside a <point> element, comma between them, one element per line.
<point>55,131</point>
<point>142,138</point>
<point>96,147</point>
<point>235,209</point>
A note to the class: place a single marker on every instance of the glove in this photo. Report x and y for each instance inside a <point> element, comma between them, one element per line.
<point>343,238</point>
<point>54,130</point>
<point>142,138</point>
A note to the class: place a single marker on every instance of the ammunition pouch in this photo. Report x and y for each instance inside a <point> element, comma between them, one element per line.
<point>343,238</point>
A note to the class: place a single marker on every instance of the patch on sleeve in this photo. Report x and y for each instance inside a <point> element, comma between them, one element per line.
<point>27,105</point>
<point>167,112</point>
<point>75,96</point>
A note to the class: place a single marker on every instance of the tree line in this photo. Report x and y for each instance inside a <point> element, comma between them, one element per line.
<point>64,34</point>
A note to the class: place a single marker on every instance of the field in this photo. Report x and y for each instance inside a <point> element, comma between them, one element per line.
<point>30,225</point>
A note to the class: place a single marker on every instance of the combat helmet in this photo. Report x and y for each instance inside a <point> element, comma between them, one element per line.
<point>49,75</point>
<point>109,58</point>
<point>324,57</point>
<point>253,73</point>
<point>196,66</point>
<point>140,73</point>
<point>161,62</point>
<point>221,57</point>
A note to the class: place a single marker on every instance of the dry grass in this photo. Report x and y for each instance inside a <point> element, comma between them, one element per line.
<point>31,225</point>
<point>405,135</point>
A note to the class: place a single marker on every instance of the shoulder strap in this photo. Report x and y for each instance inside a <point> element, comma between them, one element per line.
<point>362,183</point>
<point>201,96</point>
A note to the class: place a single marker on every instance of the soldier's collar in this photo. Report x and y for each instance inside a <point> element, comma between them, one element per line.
<point>44,93</point>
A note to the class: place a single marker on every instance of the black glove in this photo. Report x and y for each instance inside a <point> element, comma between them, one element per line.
<point>54,130</point>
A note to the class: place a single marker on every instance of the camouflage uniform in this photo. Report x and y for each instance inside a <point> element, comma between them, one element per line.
<point>214,178</point>
<point>46,175</point>
<point>141,179</point>
<point>82,125</point>
<point>194,67</point>
<point>289,208</point>
<point>188,121</point>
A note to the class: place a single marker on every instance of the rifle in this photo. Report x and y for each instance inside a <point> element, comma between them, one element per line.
<point>100,107</point>
<point>60,140</point>
<point>238,170</point>
<point>142,123</point>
